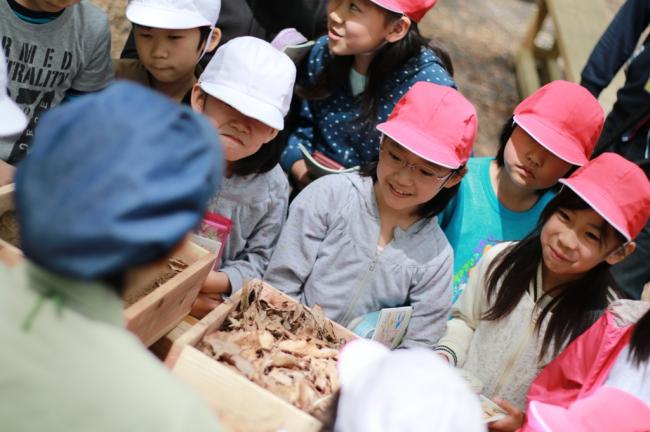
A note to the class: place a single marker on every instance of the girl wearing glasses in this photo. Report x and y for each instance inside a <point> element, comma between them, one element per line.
<point>357,243</point>
<point>551,132</point>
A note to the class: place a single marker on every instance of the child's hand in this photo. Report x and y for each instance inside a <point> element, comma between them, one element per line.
<point>216,283</point>
<point>204,303</point>
<point>300,173</point>
<point>6,173</point>
<point>513,421</point>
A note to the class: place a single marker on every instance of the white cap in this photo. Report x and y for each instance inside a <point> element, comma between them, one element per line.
<point>253,77</point>
<point>13,119</point>
<point>404,390</point>
<point>174,14</point>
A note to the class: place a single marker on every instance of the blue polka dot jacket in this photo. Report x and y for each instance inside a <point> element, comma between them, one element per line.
<point>332,125</point>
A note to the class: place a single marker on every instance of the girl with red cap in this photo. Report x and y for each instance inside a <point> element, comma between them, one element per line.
<point>373,53</point>
<point>551,131</point>
<point>528,300</point>
<point>356,243</point>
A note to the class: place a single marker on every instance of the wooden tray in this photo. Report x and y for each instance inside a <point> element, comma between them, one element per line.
<point>240,404</point>
<point>157,313</point>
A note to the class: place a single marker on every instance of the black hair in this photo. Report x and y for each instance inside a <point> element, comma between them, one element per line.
<point>117,282</point>
<point>388,59</point>
<point>430,208</point>
<point>263,160</point>
<point>640,341</point>
<point>204,33</point>
<point>575,305</point>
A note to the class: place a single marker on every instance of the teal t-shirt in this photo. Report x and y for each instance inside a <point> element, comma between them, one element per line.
<point>475,220</point>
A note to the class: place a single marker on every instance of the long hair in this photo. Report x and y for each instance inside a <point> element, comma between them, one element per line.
<point>640,342</point>
<point>575,305</point>
<point>428,209</point>
<point>388,59</point>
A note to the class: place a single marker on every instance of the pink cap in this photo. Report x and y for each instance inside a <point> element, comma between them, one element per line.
<point>616,189</point>
<point>414,9</point>
<point>435,122</point>
<point>607,409</point>
<point>563,117</point>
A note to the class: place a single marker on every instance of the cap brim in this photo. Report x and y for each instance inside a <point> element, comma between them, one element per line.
<point>555,142</point>
<point>388,5</point>
<point>357,356</point>
<point>600,203</point>
<point>425,147</point>
<point>246,104</point>
<point>148,16</point>
<point>14,120</point>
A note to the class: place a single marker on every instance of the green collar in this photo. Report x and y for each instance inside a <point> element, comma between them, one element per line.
<point>92,299</point>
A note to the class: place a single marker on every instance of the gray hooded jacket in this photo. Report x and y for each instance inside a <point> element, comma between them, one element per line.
<point>327,255</point>
<point>257,205</point>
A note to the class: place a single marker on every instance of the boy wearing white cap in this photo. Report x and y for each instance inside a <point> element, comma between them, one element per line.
<point>13,119</point>
<point>55,50</point>
<point>246,91</point>
<point>171,36</point>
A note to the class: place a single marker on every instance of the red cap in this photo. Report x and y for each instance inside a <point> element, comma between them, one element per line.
<point>616,189</point>
<point>607,409</point>
<point>563,117</point>
<point>435,122</point>
<point>414,9</point>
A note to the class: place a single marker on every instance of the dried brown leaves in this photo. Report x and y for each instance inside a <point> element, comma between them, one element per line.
<point>174,267</point>
<point>286,349</point>
<point>9,228</point>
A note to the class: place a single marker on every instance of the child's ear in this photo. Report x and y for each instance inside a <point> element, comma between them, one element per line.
<point>456,177</point>
<point>272,134</point>
<point>198,98</point>
<point>214,40</point>
<point>398,29</point>
<point>621,253</point>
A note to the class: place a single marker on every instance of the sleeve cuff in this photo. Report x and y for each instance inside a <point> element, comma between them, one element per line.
<point>235,277</point>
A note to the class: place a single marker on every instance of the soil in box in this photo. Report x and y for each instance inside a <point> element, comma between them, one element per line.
<point>174,267</point>
<point>286,349</point>
<point>9,228</point>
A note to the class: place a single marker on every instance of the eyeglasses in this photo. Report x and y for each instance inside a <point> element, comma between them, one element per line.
<point>421,173</point>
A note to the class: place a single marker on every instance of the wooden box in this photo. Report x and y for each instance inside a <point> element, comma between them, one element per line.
<point>240,404</point>
<point>9,254</point>
<point>158,312</point>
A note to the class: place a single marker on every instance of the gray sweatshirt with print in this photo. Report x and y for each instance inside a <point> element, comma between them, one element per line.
<point>327,255</point>
<point>257,205</point>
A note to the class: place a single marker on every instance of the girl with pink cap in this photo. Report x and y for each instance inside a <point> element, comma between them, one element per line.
<point>373,53</point>
<point>526,301</point>
<point>551,131</point>
<point>357,243</point>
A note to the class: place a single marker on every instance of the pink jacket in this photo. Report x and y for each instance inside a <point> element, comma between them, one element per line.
<point>585,364</point>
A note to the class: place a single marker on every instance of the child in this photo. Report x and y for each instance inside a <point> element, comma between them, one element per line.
<point>84,227</point>
<point>613,353</point>
<point>373,53</point>
<point>552,130</point>
<point>526,301</point>
<point>403,390</point>
<point>55,49</point>
<point>246,91</point>
<point>14,120</point>
<point>355,244</point>
<point>171,36</point>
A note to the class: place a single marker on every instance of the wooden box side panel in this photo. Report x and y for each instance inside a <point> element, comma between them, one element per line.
<point>9,254</point>
<point>151,317</point>
<point>238,402</point>
<point>211,322</point>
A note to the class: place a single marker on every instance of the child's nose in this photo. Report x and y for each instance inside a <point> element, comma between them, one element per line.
<point>568,240</point>
<point>335,15</point>
<point>158,50</point>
